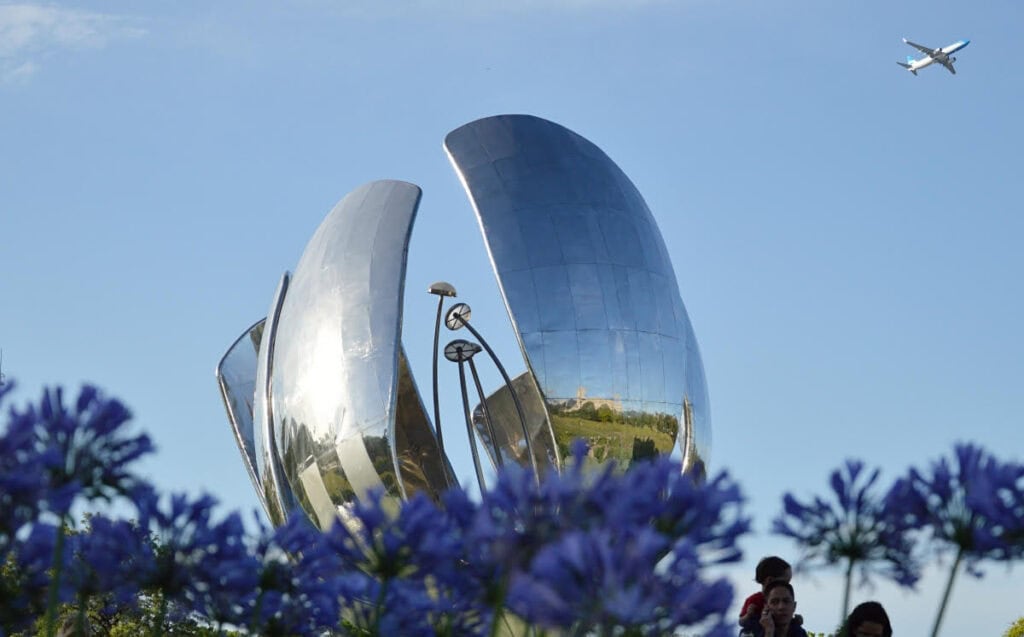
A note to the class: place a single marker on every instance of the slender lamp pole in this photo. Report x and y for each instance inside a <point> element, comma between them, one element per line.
<point>442,289</point>
<point>458,316</point>
<point>460,351</point>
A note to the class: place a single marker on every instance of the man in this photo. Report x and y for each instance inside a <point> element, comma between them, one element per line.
<point>777,617</point>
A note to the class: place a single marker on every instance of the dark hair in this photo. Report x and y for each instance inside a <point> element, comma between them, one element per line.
<point>779,584</point>
<point>772,566</point>
<point>866,612</point>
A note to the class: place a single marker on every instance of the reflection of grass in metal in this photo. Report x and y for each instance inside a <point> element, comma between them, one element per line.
<point>617,441</point>
<point>379,451</point>
<point>338,487</point>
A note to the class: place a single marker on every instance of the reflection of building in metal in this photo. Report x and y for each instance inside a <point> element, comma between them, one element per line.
<point>320,395</point>
<point>613,404</point>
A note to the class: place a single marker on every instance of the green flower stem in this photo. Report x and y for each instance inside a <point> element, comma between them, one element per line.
<point>846,591</point>
<point>83,606</point>
<point>945,595</point>
<point>54,593</point>
<point>379,607</point>
<point>499,608</point>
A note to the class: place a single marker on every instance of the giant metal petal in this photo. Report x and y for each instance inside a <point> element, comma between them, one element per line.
<point>589,287</point>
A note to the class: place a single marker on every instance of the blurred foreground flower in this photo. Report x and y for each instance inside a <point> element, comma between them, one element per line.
<point>973,507</point>
<point>855,528</point>
<point>51,455</point>
<point>580,553</point>
<point>604,552</point>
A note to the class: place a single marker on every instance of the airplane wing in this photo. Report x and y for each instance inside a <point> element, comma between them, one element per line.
<point>949,65</point>
<point>923,49</point>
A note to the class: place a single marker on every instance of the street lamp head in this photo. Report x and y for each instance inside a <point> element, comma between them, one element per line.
<point>460,351</point>
<point>457,315</point>
<point>442,288</point>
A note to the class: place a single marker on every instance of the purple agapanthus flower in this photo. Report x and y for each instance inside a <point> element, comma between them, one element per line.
<point>85,448</point>
<point>106,557</point>
<point>972,507</point>
<point>24,478</point>
<point>680,505</point>
<point>854,528</point>
<point>51,454</point>
<point>300,581</point>
<point>25,587</point>
<point>203,565</point>
<point>619,542</point>
<point>617,550</point>
<point>602,580</point>
<point>414,558</point>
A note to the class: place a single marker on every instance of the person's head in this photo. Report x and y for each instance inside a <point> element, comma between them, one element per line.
<point>780,601</point>
<point>772,569</point>
<point>867,620</point>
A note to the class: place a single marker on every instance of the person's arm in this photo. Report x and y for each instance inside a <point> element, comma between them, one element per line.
<point>750,618</point>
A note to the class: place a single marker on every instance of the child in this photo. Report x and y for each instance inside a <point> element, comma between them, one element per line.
<point>770,569</point>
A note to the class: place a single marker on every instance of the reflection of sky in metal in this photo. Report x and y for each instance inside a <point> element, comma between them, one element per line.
<point>583,269</point>
<point>236,377</point>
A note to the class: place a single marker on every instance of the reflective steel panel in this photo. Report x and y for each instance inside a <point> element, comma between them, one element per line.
<point>236,378</point>
<point>274,492</point>
<point>589,287</point>
<point>347,416</point>
<point>508,429</point>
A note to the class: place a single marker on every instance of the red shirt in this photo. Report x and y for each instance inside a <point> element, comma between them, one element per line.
<point>756,600</point>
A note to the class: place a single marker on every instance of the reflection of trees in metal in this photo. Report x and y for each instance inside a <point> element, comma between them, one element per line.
<point>417,452</point>
<point>618,436</point>
<point>321,397</point>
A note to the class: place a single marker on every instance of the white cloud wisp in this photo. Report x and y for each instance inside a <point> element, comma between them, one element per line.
<point>31,32</point>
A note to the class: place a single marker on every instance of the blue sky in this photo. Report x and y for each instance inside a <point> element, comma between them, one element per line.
<point>846,236</point>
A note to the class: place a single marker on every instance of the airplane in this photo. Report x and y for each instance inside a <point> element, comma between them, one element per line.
<point>942,56</point>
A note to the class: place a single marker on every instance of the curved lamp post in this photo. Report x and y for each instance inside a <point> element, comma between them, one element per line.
<point>458,317</point>
<point>442,289</point>
<point>460,351</point>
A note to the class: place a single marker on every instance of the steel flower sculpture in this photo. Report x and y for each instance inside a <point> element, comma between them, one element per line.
<point>320,394</point>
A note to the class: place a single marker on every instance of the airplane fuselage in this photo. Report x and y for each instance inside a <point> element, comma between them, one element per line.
<point>943,56</point>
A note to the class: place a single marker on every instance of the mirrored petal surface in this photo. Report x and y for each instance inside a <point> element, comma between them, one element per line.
<point>589,287</point>
<point>277,497</point>
<point>417,452</point>
<point>509,438</point>
<point>336,374</point>
<point>236,378</point>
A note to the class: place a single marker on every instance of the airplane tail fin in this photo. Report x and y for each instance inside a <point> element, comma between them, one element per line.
<point>907,66</point>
